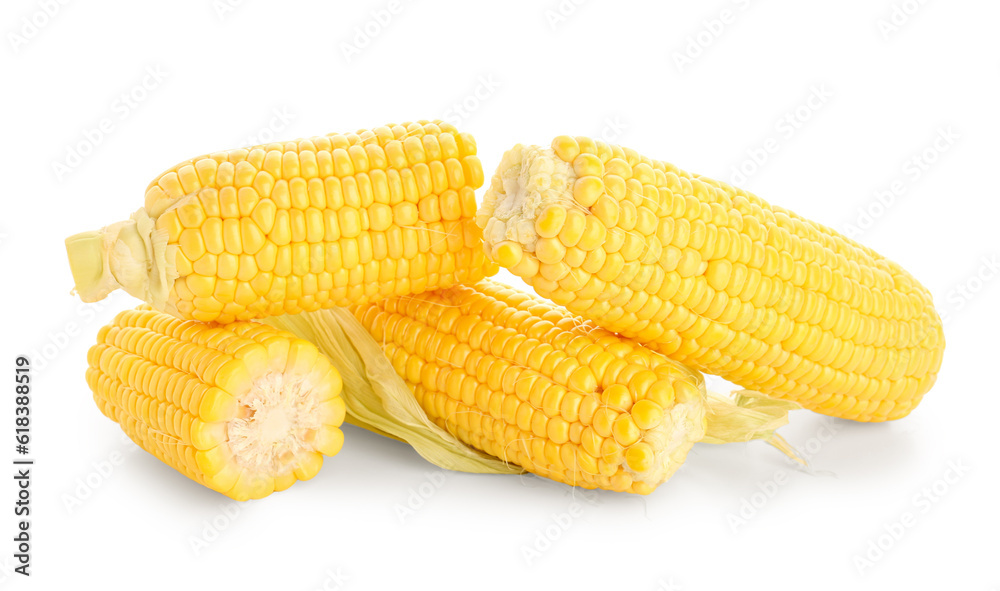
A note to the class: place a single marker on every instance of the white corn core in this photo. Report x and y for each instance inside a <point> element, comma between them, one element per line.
<point>528,180</point>
<point>279,417</point>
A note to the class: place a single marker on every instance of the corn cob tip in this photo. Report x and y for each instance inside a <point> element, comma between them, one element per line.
<point>517,212</point>
<point>129,255</point>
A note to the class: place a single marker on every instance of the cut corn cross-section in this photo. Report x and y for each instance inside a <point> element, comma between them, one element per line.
<point>244,409</point>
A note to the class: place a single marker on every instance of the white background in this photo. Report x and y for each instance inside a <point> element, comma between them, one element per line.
<point>707,85</point>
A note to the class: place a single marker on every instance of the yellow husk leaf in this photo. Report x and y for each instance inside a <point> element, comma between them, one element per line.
<point>745,415</point>
<point>377,398</point>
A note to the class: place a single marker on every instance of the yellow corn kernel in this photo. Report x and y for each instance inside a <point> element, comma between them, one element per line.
<point>233,408</point>
<point>529,367</point>
<point>714,277</point>
<point>271,201</point>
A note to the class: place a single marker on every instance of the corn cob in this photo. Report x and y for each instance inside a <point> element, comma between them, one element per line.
<point>714,277</point>
<point>524,381</point>
<point>244,409</point>
<point>296,226</point>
